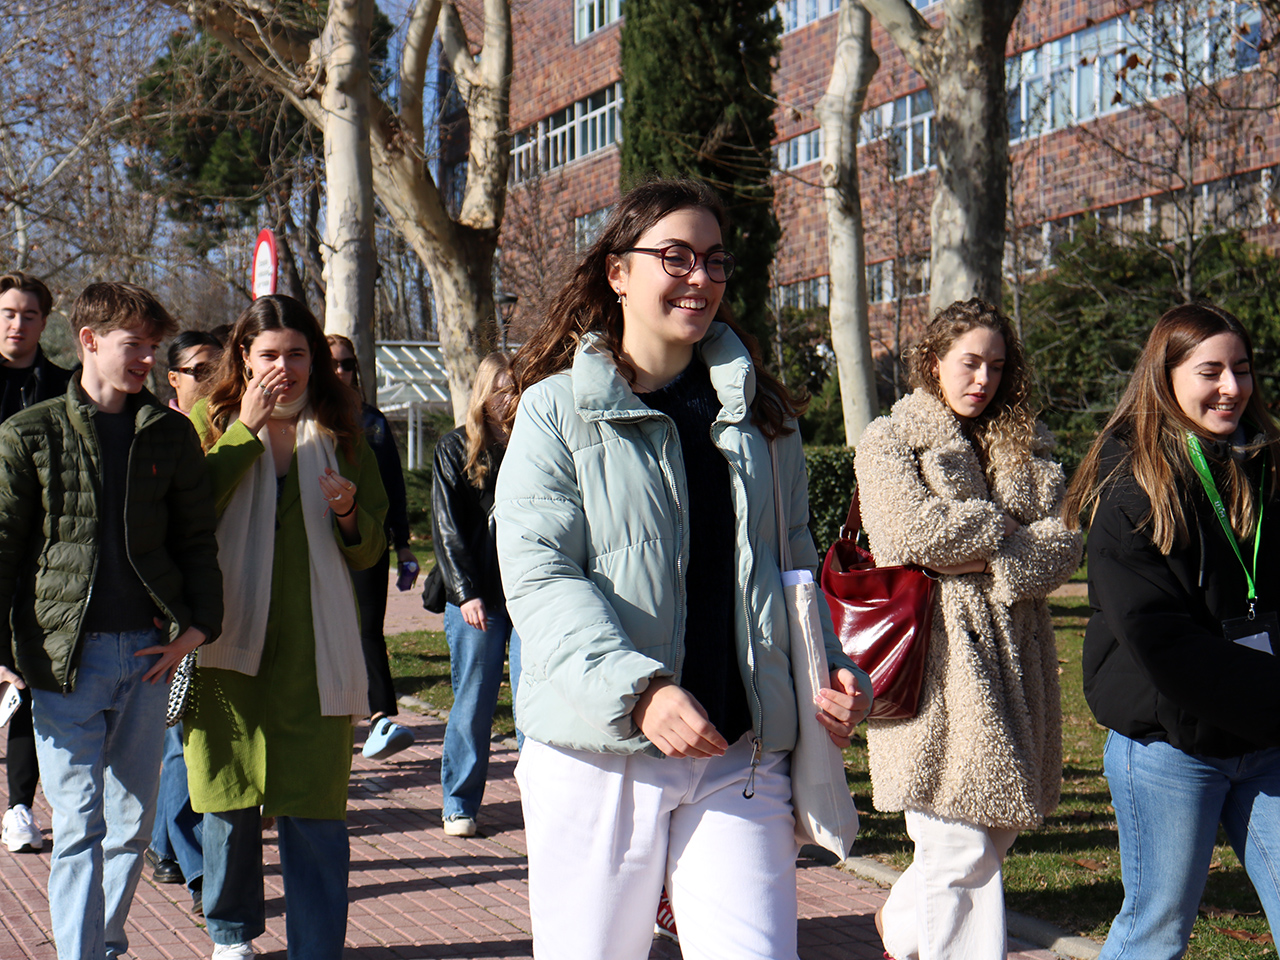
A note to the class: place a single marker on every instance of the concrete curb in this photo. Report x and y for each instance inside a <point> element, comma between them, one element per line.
<point>1038,932</point>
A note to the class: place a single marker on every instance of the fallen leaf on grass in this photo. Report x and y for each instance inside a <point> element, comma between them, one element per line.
<point>1216,865</point>
<point>1244,935</point>
<point>1091,864</point>
<point>1226,912</point>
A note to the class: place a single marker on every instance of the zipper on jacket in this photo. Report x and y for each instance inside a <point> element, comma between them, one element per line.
<point>93,572</point>
<point>757,748</point>
<point>682,604</point>
<point>751,648</point>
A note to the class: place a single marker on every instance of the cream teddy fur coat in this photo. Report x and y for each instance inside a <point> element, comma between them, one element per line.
<point>986,746</point>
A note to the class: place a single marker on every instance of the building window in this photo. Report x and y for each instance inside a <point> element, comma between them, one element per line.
<point>799,151</point>
<point>577,131</point>
<point>587,227</point>
<point>795,14</point>
<point>1096,70</point>
<point>593,15</point>
<point>912,133</point>
<point>811,294</point>
<point>880,282</point>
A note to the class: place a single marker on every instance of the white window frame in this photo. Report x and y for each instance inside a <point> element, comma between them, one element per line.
<point>1072,79</point>
<point>799,151</point>
<point>579,130</point>
<point>794,14</point>
<point>592,16</point>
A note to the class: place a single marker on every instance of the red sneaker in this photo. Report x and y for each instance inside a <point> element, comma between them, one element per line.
<point>665,924</point>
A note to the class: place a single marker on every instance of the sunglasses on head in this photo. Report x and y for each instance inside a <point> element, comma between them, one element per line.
<point>349,365</point>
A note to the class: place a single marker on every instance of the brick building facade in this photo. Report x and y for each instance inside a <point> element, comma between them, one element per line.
<point>1074,100</point>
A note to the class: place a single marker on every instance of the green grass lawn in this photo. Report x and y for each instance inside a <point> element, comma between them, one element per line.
<point>420,668</point>
<point>1067,872</point>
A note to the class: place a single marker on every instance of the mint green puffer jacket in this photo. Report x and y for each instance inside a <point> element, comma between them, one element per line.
<point>591,519</point>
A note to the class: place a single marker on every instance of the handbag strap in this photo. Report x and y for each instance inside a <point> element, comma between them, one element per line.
<point>784,541</point>
<point>853,522</point>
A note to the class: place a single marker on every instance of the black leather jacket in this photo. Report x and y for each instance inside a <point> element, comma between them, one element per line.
<point>47,380</point>
<point>462,524</point>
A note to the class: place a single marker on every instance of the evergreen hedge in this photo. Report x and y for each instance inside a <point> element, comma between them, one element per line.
<point>830,488</point>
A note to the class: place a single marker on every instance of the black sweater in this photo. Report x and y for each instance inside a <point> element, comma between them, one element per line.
<point>1155,661</point>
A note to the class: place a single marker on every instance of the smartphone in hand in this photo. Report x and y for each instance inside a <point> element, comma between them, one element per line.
<point>10,699</point>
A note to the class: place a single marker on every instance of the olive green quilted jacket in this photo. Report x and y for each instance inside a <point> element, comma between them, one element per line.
<point>49,483</point>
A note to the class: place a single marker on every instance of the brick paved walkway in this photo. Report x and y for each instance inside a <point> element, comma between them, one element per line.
<point>415,893</point>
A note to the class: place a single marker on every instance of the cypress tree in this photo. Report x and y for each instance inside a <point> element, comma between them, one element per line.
<point>698,87</point>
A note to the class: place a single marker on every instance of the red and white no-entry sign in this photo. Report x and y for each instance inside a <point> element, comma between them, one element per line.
<point>264,264</point>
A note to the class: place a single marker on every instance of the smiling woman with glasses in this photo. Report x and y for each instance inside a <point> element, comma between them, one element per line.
<point>656,694</point>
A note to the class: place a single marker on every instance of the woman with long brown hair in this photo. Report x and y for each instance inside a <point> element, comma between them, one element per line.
<point>959,479</point>
<point>640,555</point>
<point>269,731</point>
<point>1180,653</point>
<point>463,477</point>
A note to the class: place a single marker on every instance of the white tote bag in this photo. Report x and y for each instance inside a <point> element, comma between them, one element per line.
<point>824,810</point>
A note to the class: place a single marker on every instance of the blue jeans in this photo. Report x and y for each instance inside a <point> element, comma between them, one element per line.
<point>1168,806</point>
<point>99,748</point>
<point>475,665</point>
<point>315,860</point>
<point>178,828</point>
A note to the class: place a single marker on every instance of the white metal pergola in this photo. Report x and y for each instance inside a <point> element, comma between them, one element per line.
<point>412,380</point>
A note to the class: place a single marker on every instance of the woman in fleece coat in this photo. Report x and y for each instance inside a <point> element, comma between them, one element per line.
<point>958,479</point>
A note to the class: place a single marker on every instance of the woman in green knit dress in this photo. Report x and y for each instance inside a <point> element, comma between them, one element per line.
<point>269,732</point>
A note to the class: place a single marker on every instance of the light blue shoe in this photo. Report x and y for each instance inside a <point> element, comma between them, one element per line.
<point>386,737</point>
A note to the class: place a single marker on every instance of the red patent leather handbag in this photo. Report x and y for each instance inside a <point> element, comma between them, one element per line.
<point>883,616</point>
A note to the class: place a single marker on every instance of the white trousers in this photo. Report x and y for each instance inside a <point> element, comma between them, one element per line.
<point>949,904</point>
<point>605,832</point>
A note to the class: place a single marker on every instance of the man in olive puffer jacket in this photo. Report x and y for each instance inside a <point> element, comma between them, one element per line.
<point>108,577</point>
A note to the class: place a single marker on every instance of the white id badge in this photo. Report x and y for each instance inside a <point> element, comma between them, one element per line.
<point>1256,633</point>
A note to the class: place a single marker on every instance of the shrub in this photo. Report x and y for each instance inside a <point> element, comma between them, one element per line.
<point>830,488</point>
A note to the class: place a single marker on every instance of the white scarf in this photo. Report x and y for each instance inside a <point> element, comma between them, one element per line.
<point>246,552</point>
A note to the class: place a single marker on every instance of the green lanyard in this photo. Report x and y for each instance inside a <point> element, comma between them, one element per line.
<point>1211,489</point>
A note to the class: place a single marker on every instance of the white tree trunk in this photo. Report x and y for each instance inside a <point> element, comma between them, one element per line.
<point>962,61</point>
<point>840,112</point>
<point>457,253</point>
<point>350,263</point>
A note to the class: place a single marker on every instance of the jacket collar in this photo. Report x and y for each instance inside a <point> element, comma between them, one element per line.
<point>144,406</point>
<point>600,392</point>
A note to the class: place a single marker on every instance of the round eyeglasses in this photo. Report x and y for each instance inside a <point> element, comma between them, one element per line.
<point>680,260</point>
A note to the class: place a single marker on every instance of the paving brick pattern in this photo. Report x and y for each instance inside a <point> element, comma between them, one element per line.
<point>415,893</point>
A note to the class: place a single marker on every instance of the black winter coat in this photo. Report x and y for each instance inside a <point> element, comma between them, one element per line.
<point>47,380</point>
<point>462,523</point>
<point>1155,662</point>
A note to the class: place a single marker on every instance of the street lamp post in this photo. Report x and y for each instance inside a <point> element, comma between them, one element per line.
<point>506,304</point>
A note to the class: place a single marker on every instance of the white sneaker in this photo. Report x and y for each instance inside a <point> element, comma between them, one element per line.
<point>460,826</point>
<point>233,951</point>
<point>21,832</point>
